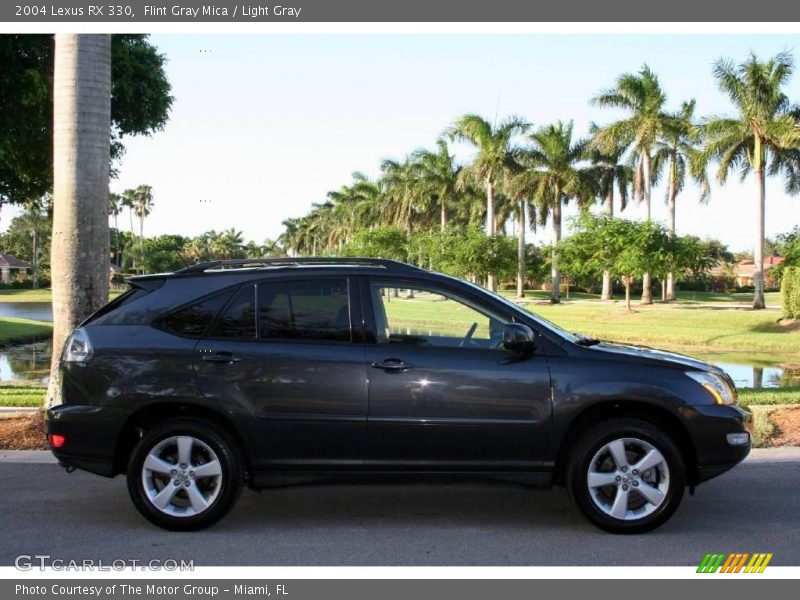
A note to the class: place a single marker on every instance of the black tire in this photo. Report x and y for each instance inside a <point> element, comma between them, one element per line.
<point>220,492</point>
<point>671,480</point>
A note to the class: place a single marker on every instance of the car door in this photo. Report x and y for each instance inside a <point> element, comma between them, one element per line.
<point>285,353</point>
<point>443,393</point>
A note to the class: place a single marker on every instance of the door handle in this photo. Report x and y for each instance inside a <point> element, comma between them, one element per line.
<point>392,365</point>
<point>227,358</point>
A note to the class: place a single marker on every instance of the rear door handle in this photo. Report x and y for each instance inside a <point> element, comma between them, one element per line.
<point>227,358</point>
<point>391,365</point>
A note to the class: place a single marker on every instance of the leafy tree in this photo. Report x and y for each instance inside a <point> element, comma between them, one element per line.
<point>493,160</point>
<point>553,166</point>
<point>641,95</point>
<point>383,242</point>
<point>762,138</point>
<point>678,158</point>
<point>163,254</point>
<point>140,104</point>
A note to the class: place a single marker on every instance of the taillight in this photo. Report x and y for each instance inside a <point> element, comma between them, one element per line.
<point>78,347</point>
<point>56,441</point>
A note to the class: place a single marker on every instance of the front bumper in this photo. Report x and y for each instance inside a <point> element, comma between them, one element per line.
<point>709,427</point>
<point>91,433</point>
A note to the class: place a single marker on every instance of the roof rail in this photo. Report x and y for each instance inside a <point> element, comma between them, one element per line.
<point>285,261</point>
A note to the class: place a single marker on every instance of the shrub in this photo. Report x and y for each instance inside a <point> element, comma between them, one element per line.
<point>790,293</point>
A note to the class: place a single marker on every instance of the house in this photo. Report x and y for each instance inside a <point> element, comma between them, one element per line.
<point>13,268</point>
<point>744,270</point>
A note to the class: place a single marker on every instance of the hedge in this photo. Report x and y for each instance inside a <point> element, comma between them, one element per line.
<point>790,292</point>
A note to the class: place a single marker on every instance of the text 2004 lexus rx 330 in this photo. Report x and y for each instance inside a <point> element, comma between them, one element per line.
<point>271,371</point>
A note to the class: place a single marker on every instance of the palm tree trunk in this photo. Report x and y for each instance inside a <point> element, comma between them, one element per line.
<point>758,255</point>
<point>81,150</point>
<point>521,251</point>
<point>491,282</point>
<point>117,253</point>
<point>133,257</point>
<point>607,293</point>
<point>647,292</point>
<point>673,192</point>
<point>555,296</point>
<point>443,216</point>
<point>627,281</point>
<point>141,238</point>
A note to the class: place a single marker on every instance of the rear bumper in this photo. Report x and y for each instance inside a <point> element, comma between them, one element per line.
<point>91,434</point>
<point>709,427</point>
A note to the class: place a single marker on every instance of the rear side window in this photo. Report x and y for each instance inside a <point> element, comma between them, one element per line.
<point>304,310</point>
<point>193,320</point>
<point>239,319</point>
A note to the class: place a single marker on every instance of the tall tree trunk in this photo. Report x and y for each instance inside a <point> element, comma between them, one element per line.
<point>627,282</point>
<point>443,216</point>
<point>758,255</point>
<point>671,195</point>
<point>35,257</point>
<point>608,293</point>
<point>555,297</point>
<point>491,281</point>
<point>647,293</point>
<point>81,150</point>
<point>141,239</point>
<point>521,251</point>
<point>133,254</point>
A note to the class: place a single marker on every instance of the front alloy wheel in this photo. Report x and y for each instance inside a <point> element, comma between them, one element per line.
<point>626,476</point>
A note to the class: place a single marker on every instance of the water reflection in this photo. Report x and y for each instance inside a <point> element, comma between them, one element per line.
<point>30,362</point>
<point>37,311</point>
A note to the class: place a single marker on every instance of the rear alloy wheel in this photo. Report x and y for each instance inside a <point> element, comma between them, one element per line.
<point>184,475</point>
<point>627,476</point>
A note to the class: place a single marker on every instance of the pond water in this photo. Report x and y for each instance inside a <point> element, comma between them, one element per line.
<point>32,362</point>
<point>38,311</point>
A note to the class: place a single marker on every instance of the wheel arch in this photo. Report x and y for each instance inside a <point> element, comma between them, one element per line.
<point>654,414</point>
<point>152,414</point>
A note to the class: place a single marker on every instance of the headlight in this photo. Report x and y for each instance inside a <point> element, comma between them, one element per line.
<point>78,348</point>
<point>715,385</point>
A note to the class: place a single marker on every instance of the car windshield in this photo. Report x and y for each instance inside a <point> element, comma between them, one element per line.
<point>546,323</point>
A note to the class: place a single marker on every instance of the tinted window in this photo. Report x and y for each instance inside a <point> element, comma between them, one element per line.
<point>193,320</point>
<point>307,310</point>
<point>239,318</point>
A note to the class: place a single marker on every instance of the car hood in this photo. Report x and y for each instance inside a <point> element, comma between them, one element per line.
<point>643,354</point>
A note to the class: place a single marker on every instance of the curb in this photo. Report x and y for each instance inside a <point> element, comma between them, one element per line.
<point>756,456</point>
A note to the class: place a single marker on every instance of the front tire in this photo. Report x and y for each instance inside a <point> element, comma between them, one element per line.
<point>626,476</point>
<point>184,475</point>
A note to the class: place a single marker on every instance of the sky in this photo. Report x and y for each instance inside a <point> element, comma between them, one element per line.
<point>263,126</point>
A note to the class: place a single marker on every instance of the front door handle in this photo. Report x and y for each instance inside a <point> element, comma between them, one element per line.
<point>392,365</point>
<point>226,358</point>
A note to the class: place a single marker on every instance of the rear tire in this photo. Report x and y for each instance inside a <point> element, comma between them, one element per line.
<point>184,475</point>
<point>626,476</point>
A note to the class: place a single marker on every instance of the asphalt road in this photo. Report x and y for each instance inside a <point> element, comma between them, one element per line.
<point>44,510</point>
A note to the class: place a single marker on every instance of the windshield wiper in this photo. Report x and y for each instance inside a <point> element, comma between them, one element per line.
<point>586,341</point>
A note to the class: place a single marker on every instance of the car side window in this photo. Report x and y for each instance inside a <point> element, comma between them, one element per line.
<point>432,318</point>
<point>304,310</point>
<point>193,320</point>
<point>239,319</point>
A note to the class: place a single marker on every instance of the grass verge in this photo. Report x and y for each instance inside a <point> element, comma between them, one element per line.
<point>19,331</point>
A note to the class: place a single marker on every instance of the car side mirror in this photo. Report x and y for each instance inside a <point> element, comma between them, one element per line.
<point>518,338</point>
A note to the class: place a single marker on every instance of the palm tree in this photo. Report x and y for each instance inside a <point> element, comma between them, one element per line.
<point>437,178</point>
<point>81,150</point>
<point>493,160</point>
<point>227,244</point>
<point>761,139</point>
<point>610,172</point>
<point>556,177</point>
<point>142,207</point>
<point>128,200</point>
<point>35,220</point>
<point>640,94</point>
<point>677,153</point>
<point>114,209</point>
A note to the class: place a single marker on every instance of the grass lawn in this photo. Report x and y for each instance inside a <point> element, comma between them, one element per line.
<point>21,395</point>
<point>769,396</point>
<point>699,330</point>
<point>40,295</point>
<point>683,297</point>
<point>15,331</point>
